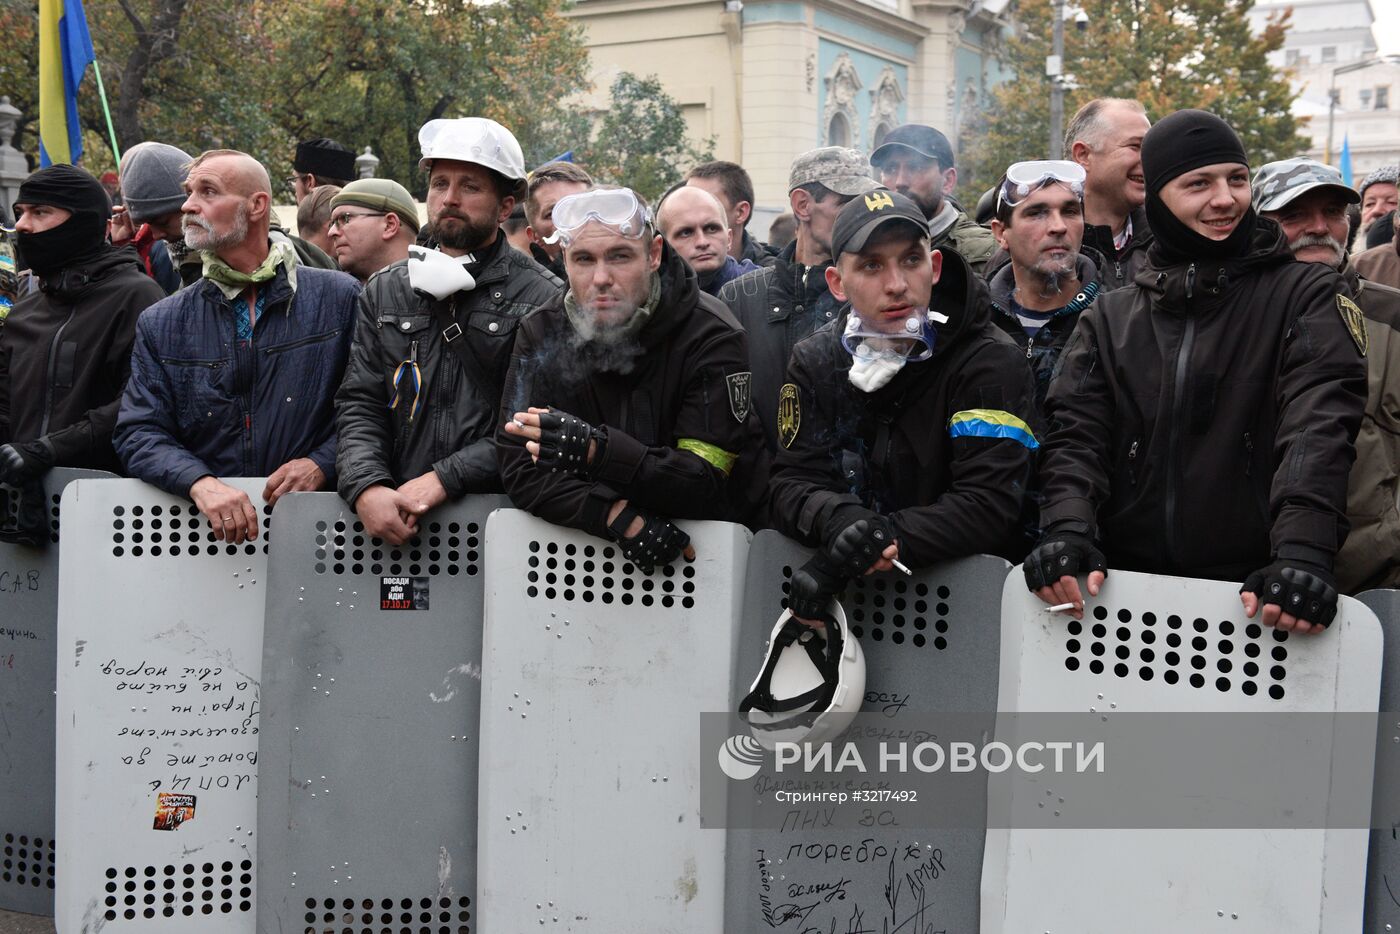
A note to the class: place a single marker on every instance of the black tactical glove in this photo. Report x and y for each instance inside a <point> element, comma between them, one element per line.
<point>812,587</point>
<point>659,542</point>
<point>27,461</point>
<point>1060,554</point>
<point>859,545</point>
<point>1304,590</point>
<point>564,442</point>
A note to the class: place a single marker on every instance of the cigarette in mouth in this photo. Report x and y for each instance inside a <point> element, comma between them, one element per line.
<point>1060,607</point>
<point>901,567</point>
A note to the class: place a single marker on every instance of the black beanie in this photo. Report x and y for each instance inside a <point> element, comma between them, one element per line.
<point>67,187</point>
<point>1176,144</point>
<point>76,239</point>
<point>1186,140</point>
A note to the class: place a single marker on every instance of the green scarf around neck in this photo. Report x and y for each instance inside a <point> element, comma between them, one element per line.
<point>234,283</point>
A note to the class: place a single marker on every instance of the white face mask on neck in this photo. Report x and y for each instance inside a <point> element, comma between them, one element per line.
<point>877,356</point>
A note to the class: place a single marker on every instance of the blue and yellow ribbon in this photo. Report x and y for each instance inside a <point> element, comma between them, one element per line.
<point>408,367</point>
<point>991,423</point>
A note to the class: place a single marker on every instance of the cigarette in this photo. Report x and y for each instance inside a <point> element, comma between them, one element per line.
<point>517,423</point>
<point>901,567</point>
<point>1060,607</point>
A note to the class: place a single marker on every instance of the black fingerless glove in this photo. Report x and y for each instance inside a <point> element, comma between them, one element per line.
<point>859,545</point>
<point>26,461</point>
<point>1307,591</point>
<point>1060,554</point>
<point>813,585</point>
<point>658,543</point>
<point>564,442</point>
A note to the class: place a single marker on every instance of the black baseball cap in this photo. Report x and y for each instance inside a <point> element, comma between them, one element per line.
<point>924,140</point>
<point>865,214</point>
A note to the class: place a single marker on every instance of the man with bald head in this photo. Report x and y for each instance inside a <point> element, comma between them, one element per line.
<point>693,221</point>
<point>235,375</point>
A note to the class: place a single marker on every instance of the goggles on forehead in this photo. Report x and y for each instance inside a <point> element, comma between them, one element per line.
<point>912,340</point>
<point>618,209</point>
<point>1026,177</point>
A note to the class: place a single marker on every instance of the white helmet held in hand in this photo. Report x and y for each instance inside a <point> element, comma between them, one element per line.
<point>812,682</point>
<point>472,139</point>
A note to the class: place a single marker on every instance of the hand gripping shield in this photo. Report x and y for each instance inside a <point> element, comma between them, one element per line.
<point>811,685</point>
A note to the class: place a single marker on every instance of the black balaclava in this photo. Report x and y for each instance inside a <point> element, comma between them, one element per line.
<point>1176,144</point>
<point>75,240</point>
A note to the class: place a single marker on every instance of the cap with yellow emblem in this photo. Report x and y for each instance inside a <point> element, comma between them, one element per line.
<point>865,214</point>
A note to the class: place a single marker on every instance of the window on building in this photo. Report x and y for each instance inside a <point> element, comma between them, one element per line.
<point>1365,98</point>
<point>838,133</point>
<point>1383,97</point>
<point>1329,53</point>
<point>1290,57</point>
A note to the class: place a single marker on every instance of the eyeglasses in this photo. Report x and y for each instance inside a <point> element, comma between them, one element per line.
<point>1022,178</point>
<point>345,217</point>
<point>617,208</point>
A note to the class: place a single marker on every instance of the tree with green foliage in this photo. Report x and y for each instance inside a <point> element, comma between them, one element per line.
<point>1169,56</point>
<point>258,75</point>
<point>641,140</point>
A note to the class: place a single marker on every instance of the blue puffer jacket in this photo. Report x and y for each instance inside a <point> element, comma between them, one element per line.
<point>200,402</point>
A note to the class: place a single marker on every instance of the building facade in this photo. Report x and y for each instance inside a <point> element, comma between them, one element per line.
<point>1344,89</point>
<point>770,79</point>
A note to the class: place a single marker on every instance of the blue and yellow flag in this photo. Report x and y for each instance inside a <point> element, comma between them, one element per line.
<point>65,51</point>
<point>1344,166</point>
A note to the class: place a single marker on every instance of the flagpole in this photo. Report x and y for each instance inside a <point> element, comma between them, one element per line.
<point>102,92</point>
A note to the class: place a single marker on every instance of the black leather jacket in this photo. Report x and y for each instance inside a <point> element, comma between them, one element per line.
<point>451,431</point>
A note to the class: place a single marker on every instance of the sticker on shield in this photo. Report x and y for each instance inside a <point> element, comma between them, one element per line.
<point>172,810</point>
<point>403,593</point>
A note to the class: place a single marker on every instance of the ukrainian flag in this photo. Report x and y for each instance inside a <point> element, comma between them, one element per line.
<point>65,51</point>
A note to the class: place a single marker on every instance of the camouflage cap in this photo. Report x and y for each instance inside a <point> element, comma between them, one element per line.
<point>1278,183</point>
<point>844,171</point>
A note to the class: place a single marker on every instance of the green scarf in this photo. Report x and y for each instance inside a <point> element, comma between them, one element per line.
<point>234,283</point>
<point>583,324</point>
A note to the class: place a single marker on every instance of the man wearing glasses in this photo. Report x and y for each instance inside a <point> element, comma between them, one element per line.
<point>373,223</point>
<point>628,402</point>
<point>320,162</point>
<point>417,409</point>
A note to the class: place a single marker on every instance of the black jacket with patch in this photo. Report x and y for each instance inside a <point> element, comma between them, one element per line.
<point>778,306</point>
<point>945,449</point>
<point>683,442</point>
<point>1201,422</point>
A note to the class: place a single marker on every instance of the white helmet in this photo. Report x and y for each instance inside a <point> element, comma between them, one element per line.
<point>472,139</point>
<point>812,682</point>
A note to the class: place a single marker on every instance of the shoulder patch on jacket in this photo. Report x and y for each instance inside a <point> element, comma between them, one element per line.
<point>789,414</point>
<point>740,387</point>
<point>1355,322</point>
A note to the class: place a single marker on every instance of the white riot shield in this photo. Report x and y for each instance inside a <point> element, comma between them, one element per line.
<point>594,680</point>
<point>1153,643</point>
<point>371,690</point>
<point>931,644</point>
<point>160,635</point>
<point>28,639</point>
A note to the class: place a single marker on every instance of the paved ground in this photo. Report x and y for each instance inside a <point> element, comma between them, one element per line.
<point>12,922</point>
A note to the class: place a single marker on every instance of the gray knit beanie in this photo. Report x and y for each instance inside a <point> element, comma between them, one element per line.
<point>152,177</point>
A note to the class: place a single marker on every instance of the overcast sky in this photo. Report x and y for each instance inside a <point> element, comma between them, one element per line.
<point>1387,26</point>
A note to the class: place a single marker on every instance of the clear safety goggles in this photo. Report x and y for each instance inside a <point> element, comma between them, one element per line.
<point>1026,177</point>
<point>913,340</point>
<point>618,209</point>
